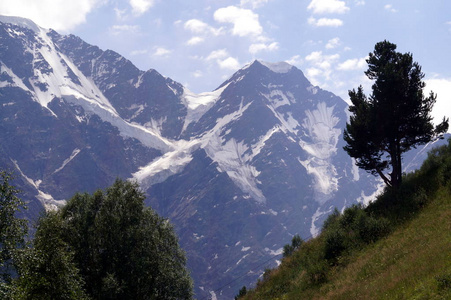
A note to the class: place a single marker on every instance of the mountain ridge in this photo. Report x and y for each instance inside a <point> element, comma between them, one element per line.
<point>238,170</point>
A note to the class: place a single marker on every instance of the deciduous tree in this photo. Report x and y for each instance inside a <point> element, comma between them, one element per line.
<point>12,229</point>
<point>123,249</point>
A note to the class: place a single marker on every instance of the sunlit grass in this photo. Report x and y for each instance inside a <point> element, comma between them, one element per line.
<point>405,265</point>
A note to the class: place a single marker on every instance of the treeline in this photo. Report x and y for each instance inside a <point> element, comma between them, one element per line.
<point>107,245</point>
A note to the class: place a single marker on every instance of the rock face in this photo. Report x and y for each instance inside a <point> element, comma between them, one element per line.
<point>239,170</point>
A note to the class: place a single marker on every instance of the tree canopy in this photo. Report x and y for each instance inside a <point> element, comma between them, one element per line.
<point>107,245</point>
<point>395,118</point>
<point>12,229</point>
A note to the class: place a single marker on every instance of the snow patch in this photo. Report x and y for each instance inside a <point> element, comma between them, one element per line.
<point>213,295</point>
<point>320,125</point>
<point>289,124</point>
<point>315,230</point>
<point>164,166</point>
<point>279,98</point>
<point>274,252</point>
<point>198,104</point>
<point>273,212</point>
<point>366,199</point>
<point>17,82</point>
<point>241,259</point>
<point>232,160</point>
<point>46,200</point>
<point>355,170</point>
<point>22,22</point>
<point>65,162</point>
<point>280,67</point>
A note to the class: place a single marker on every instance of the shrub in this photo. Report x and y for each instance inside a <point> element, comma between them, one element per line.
<point>334,244</point>
<point>296,242</point>
<point>331,219</point>
<point>372,229</point>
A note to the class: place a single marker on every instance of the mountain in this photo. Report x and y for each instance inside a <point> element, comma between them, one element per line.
<point>238,171</point>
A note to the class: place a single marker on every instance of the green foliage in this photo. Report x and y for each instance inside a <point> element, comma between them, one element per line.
<point>123,249</point>
<point>394,118</point>
<point>334,244</point>
<point>354,229</point>
<point>296,242</point>
<point>47,270</point>
<point>241,293</point>
<point>102,246</point>
<point>12,229</point>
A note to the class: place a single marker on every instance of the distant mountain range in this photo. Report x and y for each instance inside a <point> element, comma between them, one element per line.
<point>238,171</point>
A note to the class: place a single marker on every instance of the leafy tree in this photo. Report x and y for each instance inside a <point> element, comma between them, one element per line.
<point>12,229</point>
<point>394,118</point>
<point>296,242</point>
<point>47,270</point>
<point>123,249</point>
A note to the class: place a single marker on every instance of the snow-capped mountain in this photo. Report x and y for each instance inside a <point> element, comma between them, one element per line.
<point>239,170</point>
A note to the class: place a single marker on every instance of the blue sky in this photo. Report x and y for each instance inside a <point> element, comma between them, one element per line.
<point>200,43</point>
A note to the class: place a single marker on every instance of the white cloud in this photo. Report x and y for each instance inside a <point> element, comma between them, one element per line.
<point>120,13</point>
<point>328,7</point>
<point>161,51</point>
<point>323,61</point>
<point>217,54</point>
<point>197,74</point>
<point>441,87</point>
<point>295,60</point>
<point>353,64</point>
<point>253,3</point>
<point>195,40</point>
<point>229,63</point>
<point>320,66</point>
<point>139,7</point>
<point>60,15</point>
<point>128,29</point>
<point>314,56</point>
<point>390,8</point>
<point>333,43</point>
<point>312,73</point>
<point>245,22</point>
<point>223,59</point>
<point>198,27</point>
<point>255,48</point>
<point>325,22</point>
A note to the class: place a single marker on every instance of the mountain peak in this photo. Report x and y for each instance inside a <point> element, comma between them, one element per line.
<point>278,67</point>
<point>19,21</point>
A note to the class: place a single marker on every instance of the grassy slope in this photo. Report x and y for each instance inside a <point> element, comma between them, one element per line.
<point>404,265</point>
<point>409,263</point>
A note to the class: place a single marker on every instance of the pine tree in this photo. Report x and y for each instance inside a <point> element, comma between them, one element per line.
<point>395,118</point>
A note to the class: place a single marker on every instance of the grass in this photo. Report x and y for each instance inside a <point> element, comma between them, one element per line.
<point>406,265</point>
<point>410,259</point>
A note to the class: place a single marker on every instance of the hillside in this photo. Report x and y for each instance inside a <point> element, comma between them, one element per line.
<point>412,262</point>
